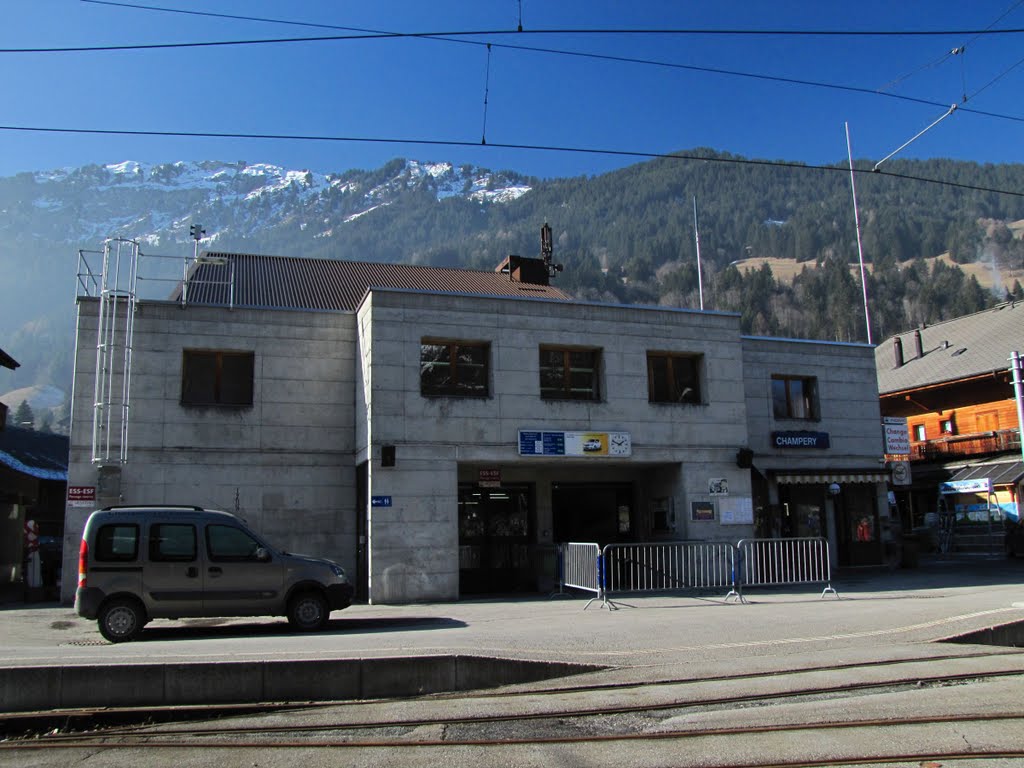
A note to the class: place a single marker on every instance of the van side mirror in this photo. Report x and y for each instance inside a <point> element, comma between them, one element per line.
<point>262,555</point>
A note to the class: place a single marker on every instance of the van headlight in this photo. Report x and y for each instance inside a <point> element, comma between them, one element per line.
<point>338,571</point>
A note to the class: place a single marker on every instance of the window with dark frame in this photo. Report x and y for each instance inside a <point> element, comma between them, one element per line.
<point>117,543</point>
<point>795,397</point>
<point>216,377</point>
<point>569,374</point>
<point>172,542</point>
<point>673,378</point>
<point>225,543</point>
<point>455,368</point>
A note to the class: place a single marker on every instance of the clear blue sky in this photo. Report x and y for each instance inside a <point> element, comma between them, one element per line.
<point>433,90</point>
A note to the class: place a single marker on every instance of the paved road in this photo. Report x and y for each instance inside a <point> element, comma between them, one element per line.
<point>882,630</point>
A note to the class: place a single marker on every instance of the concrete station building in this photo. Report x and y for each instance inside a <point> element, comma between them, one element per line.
<point>439,431</point>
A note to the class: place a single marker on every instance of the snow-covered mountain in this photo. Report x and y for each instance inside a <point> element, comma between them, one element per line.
<point>156,204</point>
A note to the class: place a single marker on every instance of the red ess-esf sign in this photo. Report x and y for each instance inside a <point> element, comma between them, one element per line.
<point>81,494</point>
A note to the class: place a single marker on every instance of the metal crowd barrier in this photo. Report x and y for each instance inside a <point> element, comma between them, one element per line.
<point>667,567</point>
<point>782,562</point>
<point>689,565</point>
<point>581,568</point>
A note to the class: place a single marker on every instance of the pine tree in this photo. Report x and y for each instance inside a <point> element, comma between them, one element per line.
<point>23,416</point>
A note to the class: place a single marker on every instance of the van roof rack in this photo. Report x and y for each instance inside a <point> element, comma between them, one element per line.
<point>192,507</point>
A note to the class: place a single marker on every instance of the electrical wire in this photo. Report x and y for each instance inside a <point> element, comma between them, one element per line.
<point>489,32</point>
<point>957,51</point>
<point>639,155</point>
<point>369,33</point>
<point>963,78</point>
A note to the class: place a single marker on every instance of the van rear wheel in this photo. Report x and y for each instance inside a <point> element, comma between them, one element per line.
<point>121,619</point>
<point>307,612</point>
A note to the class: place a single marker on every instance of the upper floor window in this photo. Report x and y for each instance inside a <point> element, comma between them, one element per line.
<point>946,427</point>
<point>456,368</point>
<point>919,435</point>
<point>673,378</point>
<point>215,377</point>
<point>569,374</point>
<point>795,397</point>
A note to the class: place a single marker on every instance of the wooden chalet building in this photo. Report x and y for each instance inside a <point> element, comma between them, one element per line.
<point>953,382</point>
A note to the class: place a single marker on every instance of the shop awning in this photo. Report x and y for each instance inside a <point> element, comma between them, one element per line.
<point>999,472</point>
<point>841,476</point>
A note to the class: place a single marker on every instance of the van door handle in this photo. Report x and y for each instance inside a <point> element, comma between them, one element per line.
<point>192,572</point>
<point>215,571</point>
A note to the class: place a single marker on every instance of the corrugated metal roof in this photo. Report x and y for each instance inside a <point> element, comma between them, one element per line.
<point>955,349</point>
<point>999,472</point>
<point>288,282</point>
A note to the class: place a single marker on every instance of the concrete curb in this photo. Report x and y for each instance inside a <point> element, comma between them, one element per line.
<point>27,689</point>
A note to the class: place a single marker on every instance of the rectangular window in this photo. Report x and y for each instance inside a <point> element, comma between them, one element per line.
<point>569,374</point>
<point>919,435</point>
<point>117,543</point>
<point>174,543</point>
<point>795,397</point>
<point>673,378</point>
<point>946,426</point>
<point>225,543</point>
<point>455,368</point>
<point>217,378</point>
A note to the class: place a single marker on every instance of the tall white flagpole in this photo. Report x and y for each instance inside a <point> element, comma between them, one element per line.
<point>856,221</point>
<point>696,237</point>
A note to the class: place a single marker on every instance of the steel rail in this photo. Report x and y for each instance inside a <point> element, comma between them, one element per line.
<point>207,711</point>
<point>676,704</point>
<point>887,723</point>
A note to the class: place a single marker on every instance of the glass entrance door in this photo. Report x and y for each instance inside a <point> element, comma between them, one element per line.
<point>495,526</point>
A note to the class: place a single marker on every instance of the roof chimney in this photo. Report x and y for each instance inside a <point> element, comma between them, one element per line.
<point>918,346</point>
<point>897,345</point>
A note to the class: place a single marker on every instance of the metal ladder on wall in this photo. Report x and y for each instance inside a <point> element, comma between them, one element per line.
<point>117,285</point>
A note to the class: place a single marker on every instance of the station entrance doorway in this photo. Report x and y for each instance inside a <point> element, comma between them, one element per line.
<point>495,532</point>
<point>592,512</point>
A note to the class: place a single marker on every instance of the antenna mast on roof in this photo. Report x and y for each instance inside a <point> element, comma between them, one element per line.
<point>547,250</point>
<point>196,232</point>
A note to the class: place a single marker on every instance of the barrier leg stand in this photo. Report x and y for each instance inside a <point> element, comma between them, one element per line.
<point>737,592</point>
<point>602,593</point>
<point>560,568</point>
<point>737,589</point>
<point>828,589</point>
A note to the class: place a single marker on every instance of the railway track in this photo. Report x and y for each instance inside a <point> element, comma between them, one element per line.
<point>669,722</point>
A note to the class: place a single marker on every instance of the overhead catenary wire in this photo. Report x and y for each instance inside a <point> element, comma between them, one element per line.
<point>956,51</point>
<point>637,154</point>
<point>489,32</point>
<point>367,33</point>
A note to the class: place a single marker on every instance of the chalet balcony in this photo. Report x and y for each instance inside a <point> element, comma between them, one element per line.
<point>979,444</point>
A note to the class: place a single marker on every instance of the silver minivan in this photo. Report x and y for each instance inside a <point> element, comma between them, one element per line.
<point>138,563</point>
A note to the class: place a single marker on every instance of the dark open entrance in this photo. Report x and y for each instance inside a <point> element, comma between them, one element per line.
<point>495,531</point>
<point>592,512</point>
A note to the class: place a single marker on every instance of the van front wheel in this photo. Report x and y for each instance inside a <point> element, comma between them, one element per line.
<point>121,619</point>
<point>307,612</point>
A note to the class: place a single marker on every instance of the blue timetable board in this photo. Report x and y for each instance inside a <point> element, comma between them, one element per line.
<point>541,443</point>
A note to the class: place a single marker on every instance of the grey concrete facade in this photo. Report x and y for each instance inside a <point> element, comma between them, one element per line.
<point>303,465</point>
<point>285,465</point>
